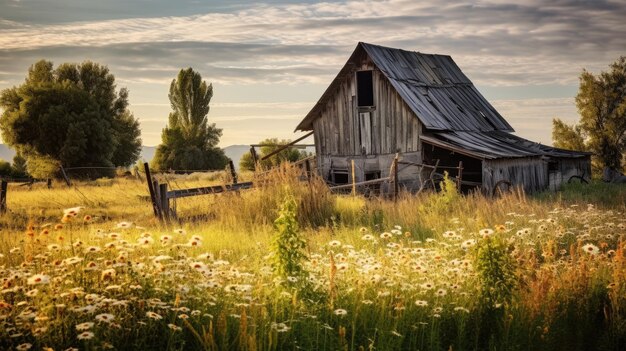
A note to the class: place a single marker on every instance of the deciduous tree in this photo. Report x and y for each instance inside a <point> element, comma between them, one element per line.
<point>601,102</point>
<point>71,116</point>
<point>189,141</point>
<point>268,146</point>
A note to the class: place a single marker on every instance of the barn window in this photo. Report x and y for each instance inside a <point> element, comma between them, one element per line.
<point>365,88</point>
<point>553,166</point>
<point>372,175</point>
<point>339,176</point>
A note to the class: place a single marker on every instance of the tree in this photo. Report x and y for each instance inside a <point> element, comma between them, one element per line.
<point>189,141</point>
<point>71,116</point>
<point>268,146</point>
<point>19,166</point>
<point>5,169</point>
<point>601,102</point>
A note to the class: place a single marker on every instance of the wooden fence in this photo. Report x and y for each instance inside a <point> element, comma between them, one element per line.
<point>428,182</point>
<point>160,196</point>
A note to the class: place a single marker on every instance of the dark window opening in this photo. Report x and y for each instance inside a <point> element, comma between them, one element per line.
<point>553,166</point>
<point>372,175</point>
<point>472,175</point>
<point>340,177</point>
<point>365,88</point>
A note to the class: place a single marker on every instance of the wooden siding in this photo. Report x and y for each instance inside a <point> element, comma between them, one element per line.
<point>529,172</point>
<point>432,86</point>
<point>393,126</point>
<point>372,163</point>
<point>568,167</point>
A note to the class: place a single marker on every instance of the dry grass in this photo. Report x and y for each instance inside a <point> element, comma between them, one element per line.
<point>376,259</point>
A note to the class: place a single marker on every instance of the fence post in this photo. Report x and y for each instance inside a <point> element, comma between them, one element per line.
<point>255,158</point>
<point>49,183</point>
<point>137,174</point>
<point>3,196</point>
<point>165,202</point>
<point>307,167</point>
<point>353,180</point>
<point>153,198</point>
<point>458,179</point>
<point>395,178</point>
<point>233,173</point>
<point>67,180</point>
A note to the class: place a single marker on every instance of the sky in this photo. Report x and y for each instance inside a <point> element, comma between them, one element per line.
<point>270,61</point>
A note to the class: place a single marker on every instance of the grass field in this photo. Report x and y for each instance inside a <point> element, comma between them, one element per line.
<point>291,266</point>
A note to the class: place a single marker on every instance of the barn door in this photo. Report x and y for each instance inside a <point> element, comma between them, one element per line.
<point>365,128</point>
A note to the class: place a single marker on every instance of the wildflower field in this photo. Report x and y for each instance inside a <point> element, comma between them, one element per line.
<point>291,266</point>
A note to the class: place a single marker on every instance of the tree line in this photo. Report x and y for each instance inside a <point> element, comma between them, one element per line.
<point>74,116</point>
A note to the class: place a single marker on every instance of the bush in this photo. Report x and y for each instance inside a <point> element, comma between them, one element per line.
<point>288,246</point>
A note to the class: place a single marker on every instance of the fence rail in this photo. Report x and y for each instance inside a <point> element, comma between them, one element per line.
<point>207,190</point>
<point>160,196</point>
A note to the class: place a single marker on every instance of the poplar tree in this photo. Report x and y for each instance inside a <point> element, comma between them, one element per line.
<point>189,141</point>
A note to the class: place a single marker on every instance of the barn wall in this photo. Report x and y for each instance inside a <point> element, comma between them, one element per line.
<point>394,127</point>
<point>529,172</point>
<point>564,168</point>
<point>368,163</point>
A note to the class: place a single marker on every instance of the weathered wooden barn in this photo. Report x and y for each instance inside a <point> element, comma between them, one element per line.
<point>422,107</point>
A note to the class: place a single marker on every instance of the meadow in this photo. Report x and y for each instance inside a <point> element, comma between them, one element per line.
<point>291,266</point>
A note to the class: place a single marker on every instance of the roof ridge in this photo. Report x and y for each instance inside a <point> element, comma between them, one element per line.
<point>400,49</point>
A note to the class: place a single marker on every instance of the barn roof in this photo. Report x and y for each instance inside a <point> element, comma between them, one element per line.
<point>495,144</point>
<point>433,87</point>
<point>455,115</point>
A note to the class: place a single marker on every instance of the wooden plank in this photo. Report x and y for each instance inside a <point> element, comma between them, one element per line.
<point>67,180</point>
<point>395,178</point>
<point>233,172</point>
<point>346,107</point>
<point>286,146</point>
<point>3,195</point>
<point>176,194</point>
<point>366,132</point>
<point>164,201</point>
<point>153,198</point>
<point>255,158</point>
<point>367,182</point>
<point>339,119</point>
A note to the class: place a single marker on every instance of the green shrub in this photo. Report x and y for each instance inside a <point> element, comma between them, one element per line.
<point>496,272</point>
<point>287,245</point>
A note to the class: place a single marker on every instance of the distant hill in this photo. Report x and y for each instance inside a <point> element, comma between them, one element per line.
<point>234,152</point>
<point>147,153</point>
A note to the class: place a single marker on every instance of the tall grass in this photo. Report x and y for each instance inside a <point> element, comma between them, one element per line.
<point>429,272</point>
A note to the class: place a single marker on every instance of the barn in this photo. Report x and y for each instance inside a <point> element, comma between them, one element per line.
<point>386,103</point>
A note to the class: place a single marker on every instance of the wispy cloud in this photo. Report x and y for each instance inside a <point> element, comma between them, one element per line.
<point>521,43</point>
<point>261,57</point>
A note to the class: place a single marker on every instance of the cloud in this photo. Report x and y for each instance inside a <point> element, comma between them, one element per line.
<point>532,118</point>
<point>284,52</point>
<point>497,42</point>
